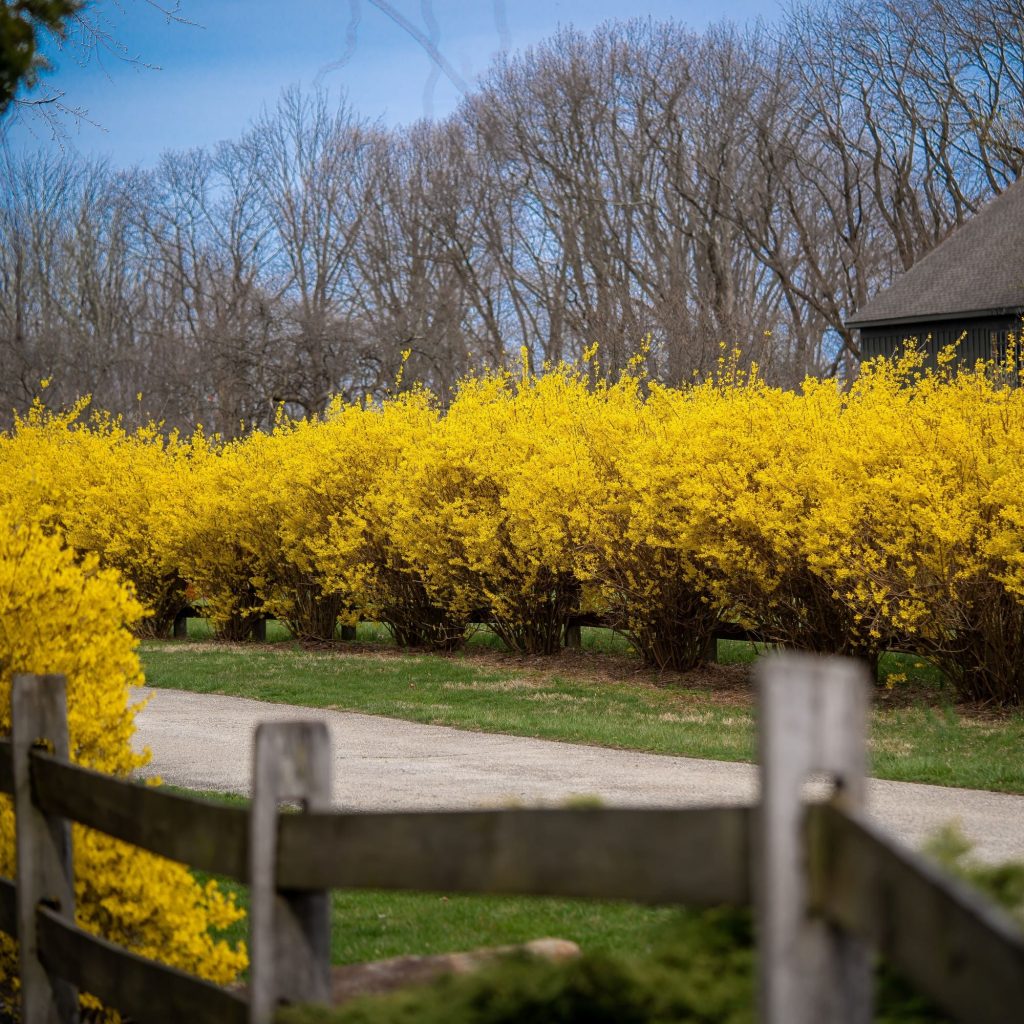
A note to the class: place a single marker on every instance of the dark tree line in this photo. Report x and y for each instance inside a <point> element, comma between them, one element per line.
<point>749,186</point>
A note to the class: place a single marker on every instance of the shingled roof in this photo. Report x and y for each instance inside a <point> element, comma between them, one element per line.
<point>977,271</point>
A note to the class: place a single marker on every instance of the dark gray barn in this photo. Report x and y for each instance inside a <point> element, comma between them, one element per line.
<point>971,286</point>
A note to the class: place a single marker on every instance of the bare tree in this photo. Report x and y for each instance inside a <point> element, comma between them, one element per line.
<point>212,320</point>
<point>311,172</point>
<point>642,185</point>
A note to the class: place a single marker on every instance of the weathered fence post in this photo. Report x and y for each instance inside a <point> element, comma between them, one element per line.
<point>180,629</point>
<point>290,931</point>
<point>812,718</point>
<point>43,845</point>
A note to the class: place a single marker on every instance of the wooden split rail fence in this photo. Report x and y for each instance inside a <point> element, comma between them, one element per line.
<point>573,636</point>
<point>829,889</point>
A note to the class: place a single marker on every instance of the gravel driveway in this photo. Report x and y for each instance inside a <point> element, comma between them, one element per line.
<point>204,741</point>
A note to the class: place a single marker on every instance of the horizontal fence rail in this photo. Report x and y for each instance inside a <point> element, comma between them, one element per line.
<point>691,855</point>
<point>208,836</point>
<point>828,887</point>
<point>698,855</point>
<point>142,989</point>
<point>572,638</point>
<point>966,955</point>
<point>479,617</point>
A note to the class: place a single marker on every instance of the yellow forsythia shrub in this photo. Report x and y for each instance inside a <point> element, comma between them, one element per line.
<point>836,519</point>
<point>761,478</point>
<point>100,484</point>
<point>354,488</point>
<point>116,514</point>
<point>648,514</point>
<point>59,614</point>
<point>466,519</point>
<point>575,493</point>
<point>209,536</point>
<point>280,523</point>
<point>922,534</point>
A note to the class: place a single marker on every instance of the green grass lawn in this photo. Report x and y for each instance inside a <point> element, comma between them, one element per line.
<point>369,925</point>
<point>600,696</point>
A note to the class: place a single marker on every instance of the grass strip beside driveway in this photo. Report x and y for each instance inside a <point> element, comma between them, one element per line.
<point>599,699</point>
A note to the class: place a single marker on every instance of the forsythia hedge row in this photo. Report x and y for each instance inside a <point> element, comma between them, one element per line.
<point>68,615</point>
<point>847,521</point>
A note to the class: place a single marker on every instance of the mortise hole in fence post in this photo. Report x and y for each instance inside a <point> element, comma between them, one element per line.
<point>43,845</point>
<point>289,930</point>
<point>812,718</point>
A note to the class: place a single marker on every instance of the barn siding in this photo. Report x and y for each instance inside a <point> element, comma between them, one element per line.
<point>978,339</point>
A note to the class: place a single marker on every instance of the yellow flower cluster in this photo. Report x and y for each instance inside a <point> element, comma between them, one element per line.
<point>848,521</point>
<point>59,613</point>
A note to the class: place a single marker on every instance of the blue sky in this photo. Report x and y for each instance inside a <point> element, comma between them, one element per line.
<point>215,74</point>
